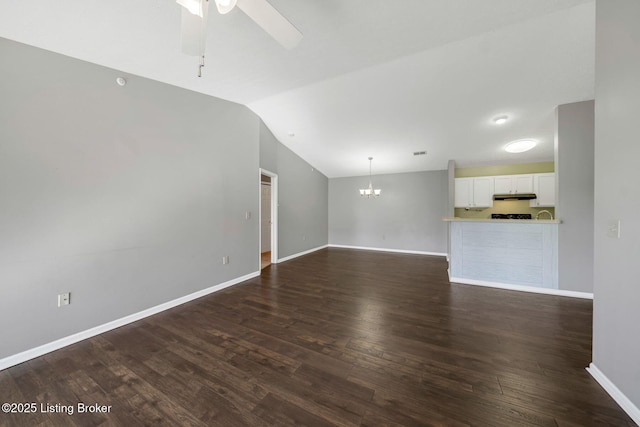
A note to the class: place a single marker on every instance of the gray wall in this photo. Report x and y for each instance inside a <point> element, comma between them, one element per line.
<point>302,197</point>
<point>451,199</point>
<point>574,153</point>
<point>407,216</point>
<point>616,317</point>
<point>451,182</point>
<point>268,149</point>
<point>127,197</point>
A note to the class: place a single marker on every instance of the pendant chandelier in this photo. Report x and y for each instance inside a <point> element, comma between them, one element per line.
<point>370,192</point>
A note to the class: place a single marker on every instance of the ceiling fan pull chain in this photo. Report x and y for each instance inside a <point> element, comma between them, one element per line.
<point>203,34</point>
<point>200,66</point>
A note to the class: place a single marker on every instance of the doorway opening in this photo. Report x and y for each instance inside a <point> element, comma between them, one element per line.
<point>268,218</point>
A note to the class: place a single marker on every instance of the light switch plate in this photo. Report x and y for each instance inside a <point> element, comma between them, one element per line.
<point>64,299</point>
<point>613,228</point>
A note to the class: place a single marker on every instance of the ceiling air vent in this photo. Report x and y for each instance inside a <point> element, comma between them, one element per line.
<point>419,153</point>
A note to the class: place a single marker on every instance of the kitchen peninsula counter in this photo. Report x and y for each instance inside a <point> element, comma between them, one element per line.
<point>525,221</point>
<point>509,253</point>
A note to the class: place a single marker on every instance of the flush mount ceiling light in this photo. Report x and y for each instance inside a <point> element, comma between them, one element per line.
<point>121,81</point>
<point>520,146</point>
<point>370,192</point>
<point>500,120</point>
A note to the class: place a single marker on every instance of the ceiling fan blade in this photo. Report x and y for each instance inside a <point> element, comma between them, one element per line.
<point>193,31</point>
<point>276,25</point>
<point>225,6</point>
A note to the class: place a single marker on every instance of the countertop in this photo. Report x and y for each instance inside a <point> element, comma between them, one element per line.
<point>523,221</point>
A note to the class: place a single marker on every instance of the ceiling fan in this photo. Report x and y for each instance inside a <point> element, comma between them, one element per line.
<point>194,23</point>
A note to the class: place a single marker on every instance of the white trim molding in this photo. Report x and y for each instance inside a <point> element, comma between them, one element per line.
<point>83,335</point>
<point>287,258</point>
<point>627,405</point>
<point>523,288</point>
<point>400,251</point>
<point>274,215</point>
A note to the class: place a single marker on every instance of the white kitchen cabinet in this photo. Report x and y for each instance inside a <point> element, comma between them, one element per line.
<point>463,192</point>
<point>513,184</point>
<point>523,184</point>
<point>503,184</point>
<point>474,192</point>
<point>483,192</point>
<point>544,185</point>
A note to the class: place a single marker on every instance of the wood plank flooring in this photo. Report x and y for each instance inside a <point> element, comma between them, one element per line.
<point>338,337</point>
<point>265,259</point>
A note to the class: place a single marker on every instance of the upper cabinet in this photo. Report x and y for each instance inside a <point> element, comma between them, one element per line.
<point>474,192</point>
<point>513,184</point>
<point>544,185</point>
<point>478,192</point>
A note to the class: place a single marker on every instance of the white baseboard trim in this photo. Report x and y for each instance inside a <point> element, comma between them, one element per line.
<point>400,251</point>
<point>287,258</point>
<point>83,335</point>
<point>523,288</point>
<point>627,405</point>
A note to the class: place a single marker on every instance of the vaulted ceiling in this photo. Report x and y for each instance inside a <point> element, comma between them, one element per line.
<point>370,77</point>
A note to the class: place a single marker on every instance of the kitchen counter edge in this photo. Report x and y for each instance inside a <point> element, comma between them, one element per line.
<point>523,221</point>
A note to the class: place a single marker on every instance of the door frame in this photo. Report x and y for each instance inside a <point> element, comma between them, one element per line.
<point>274,214</point>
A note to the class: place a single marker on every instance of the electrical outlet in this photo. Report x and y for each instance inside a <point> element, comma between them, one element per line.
<point>225,259</point>
<point>613,228</point>
<point>64,299</point>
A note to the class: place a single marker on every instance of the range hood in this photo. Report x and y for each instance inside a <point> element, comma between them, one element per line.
<point>522,196</point>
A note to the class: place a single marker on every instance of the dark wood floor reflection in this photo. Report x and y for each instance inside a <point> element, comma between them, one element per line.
<point>337,337</point>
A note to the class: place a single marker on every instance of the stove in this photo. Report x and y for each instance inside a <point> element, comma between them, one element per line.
<point>510,216</point>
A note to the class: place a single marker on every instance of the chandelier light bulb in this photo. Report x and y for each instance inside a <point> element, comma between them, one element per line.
<point>370,192</point>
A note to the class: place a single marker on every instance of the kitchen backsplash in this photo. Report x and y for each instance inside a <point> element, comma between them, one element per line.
<point>504,207</point>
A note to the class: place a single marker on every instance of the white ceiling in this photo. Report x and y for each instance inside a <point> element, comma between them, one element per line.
<point>370,78</point>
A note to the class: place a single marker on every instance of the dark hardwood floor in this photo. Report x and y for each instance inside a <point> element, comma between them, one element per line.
<point>337,337</point>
